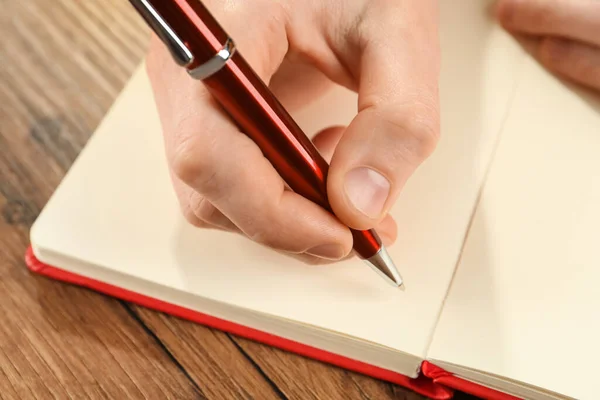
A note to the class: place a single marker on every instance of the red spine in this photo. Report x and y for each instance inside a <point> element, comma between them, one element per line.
<point>422,385</point>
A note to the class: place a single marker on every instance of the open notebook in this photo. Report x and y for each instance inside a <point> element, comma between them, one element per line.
<point>497,237</point>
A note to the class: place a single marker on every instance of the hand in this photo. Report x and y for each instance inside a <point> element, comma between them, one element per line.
<point>567,33</point>
<point>386,50</point>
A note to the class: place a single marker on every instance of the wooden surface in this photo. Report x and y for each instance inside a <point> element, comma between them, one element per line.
<point>62,63</point>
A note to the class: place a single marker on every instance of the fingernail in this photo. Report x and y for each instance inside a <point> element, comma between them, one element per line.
<point>367,190</point>
<point>330,251</point>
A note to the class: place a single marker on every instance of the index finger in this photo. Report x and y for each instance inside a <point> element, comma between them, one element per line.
<point>577,20</point>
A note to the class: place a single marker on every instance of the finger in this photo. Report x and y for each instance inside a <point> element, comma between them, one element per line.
<point>199,212</point>
<point>254,198</point>
<point>326,141</point>
<point>573,60</point>
<point>314,260</point>
<point>209,214</point>
<point>577,20</point>
<point>298,83</point>
<point>183,194</point>
<point>209,154</point>
<point>397,126</point>
<point>387,230</point>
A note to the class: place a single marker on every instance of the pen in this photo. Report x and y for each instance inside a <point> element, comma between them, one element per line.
<point>199,44</point>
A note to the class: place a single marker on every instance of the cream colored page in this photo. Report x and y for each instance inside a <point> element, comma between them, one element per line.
<point>116,208</point>
<point>524,303</point>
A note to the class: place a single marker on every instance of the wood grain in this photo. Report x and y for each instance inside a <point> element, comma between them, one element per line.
<point>62,63</point>
<point>58,341</point>
<point>211,358</point>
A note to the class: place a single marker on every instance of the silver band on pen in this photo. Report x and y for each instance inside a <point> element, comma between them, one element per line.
<point>215,63</point>
<point>182,55</point>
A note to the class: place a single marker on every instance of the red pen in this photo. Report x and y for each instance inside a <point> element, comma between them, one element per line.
<point>199,44</point>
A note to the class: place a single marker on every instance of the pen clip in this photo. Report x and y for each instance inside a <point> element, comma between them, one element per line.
<point>182,55</point>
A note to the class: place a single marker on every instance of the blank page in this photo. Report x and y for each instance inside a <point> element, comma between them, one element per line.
<point>116,208</point>
<point>524,303</point>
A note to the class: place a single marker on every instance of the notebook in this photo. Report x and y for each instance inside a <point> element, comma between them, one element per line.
<point>496,237</point>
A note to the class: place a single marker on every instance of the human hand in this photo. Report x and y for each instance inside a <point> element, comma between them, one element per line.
<point>567,34</point>
<point>386,50</point>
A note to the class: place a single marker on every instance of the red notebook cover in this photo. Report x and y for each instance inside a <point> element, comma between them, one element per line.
<point>434,382</point>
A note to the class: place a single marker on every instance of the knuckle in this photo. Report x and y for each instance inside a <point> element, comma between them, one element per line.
<point>192,165</point>
<point>273,21</point>
<point>274,26</point>
<point>425,128</point>
<point>538,13</point>
<point>205,211</point>
<point>263,236</point>
<point>418,128</point>
<point>268,235</point>
<point>555,54</point>
<point>517,13</point>
<point>185,162</point>
<point>198,223</point>
<point>569,58</point>
<point>190,216</point>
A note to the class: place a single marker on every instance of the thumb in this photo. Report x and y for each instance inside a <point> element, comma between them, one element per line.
<point>397,125</point>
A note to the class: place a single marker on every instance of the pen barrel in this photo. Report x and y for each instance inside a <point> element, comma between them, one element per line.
<point>258,114</point>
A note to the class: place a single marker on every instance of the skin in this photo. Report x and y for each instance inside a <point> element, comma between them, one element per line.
<point>385,50</point>
<point>565,34</point>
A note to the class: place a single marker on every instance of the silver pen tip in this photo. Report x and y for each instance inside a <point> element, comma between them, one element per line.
<point>382,263</point>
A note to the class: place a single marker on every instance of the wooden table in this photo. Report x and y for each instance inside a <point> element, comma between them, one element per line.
<point>62,63</point>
